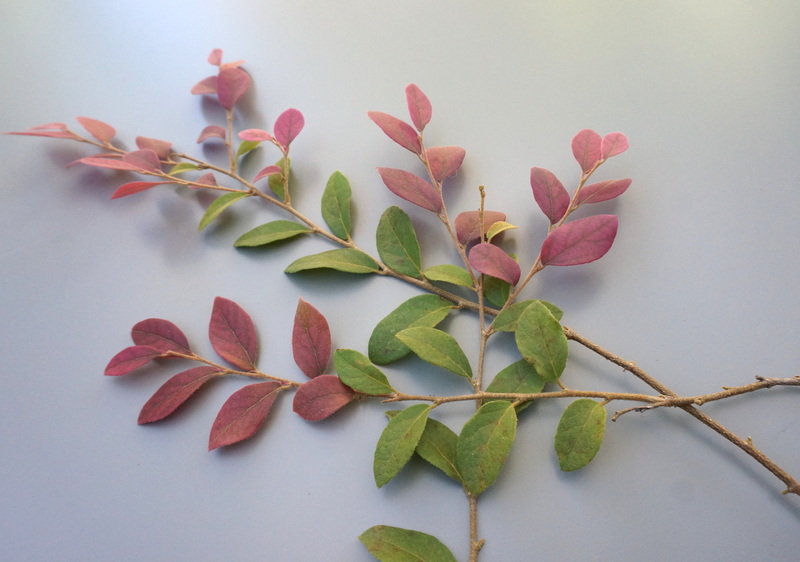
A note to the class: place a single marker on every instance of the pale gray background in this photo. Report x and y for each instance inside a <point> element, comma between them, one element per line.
<point>700,288</point>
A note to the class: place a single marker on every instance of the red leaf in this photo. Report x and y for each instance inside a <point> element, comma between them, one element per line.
<point>99,130</point>
<point>412,188</point>
<point>586,149</point>
<point>491,260</point>
<point>206,86</point>
<point>419,107</point>
<point>320,397</point>
<point>131,358</point>
<point>613,144</point>
<point>175,392</point>
<point>311,340</point>
<point>136,187</point>
<point>212,131</point>
<point>215,57</point>
<point>602,191</point>
<point>160,147</point>
<point>468,224</point>
<point>143,159</point>
<point>256,135</point>
<point>268,171</point>
<point>243,413</point>
<point>549,194</point>
<point>580,241</point>
<point>288,125</point>
<point>108,162</point>
<point>233,335</point>
<point>399,131</point>
<point>444,161</point>
<point>160,334</point>
<point>206,179</point>
<point>232,84</point>
<point>59,131</point>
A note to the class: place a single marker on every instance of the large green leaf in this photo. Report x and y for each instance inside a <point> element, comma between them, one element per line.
<point>484,444</point>
<point>218,205</point>
<point>270,232</point>
<point>336,205</point>
<point>438,446</point>
<point>393,544</point>
<point>506,321</point>
<point>397,243</point>
<point>519,377</point>
<point>580,433</point>
<point>438,348</point>
<point>349,260</point>
<point>541,340</point>
<point>449,273</point>
<point>398,441</point>
<point>356,371</point>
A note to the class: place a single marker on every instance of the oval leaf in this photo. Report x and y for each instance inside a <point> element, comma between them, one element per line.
<point>144,159</point>
<point>131,358</point>
<point>270,232</point>
<point>211,132</point>
<point>419,106</point>
<point>348,260</point>
<point>232,83</point>
<point>613,144</point>
<point>438,348</point>
<point>399,131</point>
<point>549,193</point>
<point>336,205</point>
<point>320,397</point>
<point>218,205</point>
<point>161,334</point>
<point>398,441</point>
<point>586,147</point>
<point>507,320</point>
<point>468,227</point>
<point>580,433</point>
<point>520,377</point>
<point>243,413</point>
<point>541,341</point>
<point>485,443</point>
<point>497,228</point>
<point>233,335</point>
<point>99,130</point>
<point>160,147</point>
<point>255,135</point>
<point>491,260</point>
<point>449,273</point>
<point>393,544</point>
<point>444,161</point>
<point>136,187</point>
<point>438,446</point>
<point>397,242</point>
<point>311,340</point>
<point>356,371</point>
<point>580,241</point>
<point>175,392</point>
<point>602,191</point>
<point>288,125</point>
<point>412,188</point>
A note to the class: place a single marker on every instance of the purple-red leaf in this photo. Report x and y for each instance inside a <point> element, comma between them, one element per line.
<point>208,179</point>
<point>549,194</point>
<point>586,149</point>
<point>602,191</point>
<point>160,147</point>
<point>99,130</point>
<point>288,125</point>
<point>136,187</point>
<point>320,397</point>
<point>311,340</point>
<point>144,159</point>
<point>51,130</point>
<point>212,131</point>
<point>232,84</point>
<point>268,171</point>
<point>613,144</point>
<point>580,241</point>
<point>131,358</point>
<point>444,161</point>
<point>491,260</point>
<point>108,162</point>
<point>160,334</point>
<point>399,131</point>
<point>205,86</point>
<point>243,413</point>
<point>412,188</point>
<point>419,107</point>
<point>256,135</point>
<point>175,392</point>
<point>468,227</point>
<point>233,335</point>
<point>215,57</point>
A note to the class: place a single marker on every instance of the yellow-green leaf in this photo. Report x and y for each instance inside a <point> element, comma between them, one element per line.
<point>220,204</point>
<point>271,232</point>
<point>438,348</point>
<point>398,441</point>
<point>449,273</point>
<point>356,371</point>
<point>497,228</point>
<point>485,443</point>
<point>422,310</point>
<point>349,260</point>
<point>393,544</point>
<point>541,340</point>
<point>397,243</point>
<point>336,205</point>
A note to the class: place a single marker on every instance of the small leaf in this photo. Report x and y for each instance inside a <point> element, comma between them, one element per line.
<point>485,443</point>
<point>161,334</point>
<point>101,131</point>
<point>218,205</point>
<point>232,84</point>
<point>143,159</point>
<point>419,106</point>
<point>602,191</point>
<point>136,187</point>
<point>444,161</point>
<point>207,85</point>
<point>541,341</point>
<point>438,348</point>
<point>520,378</point>
<point>449,273</point>
<point>160,147</point>
<point>175,392</point>
<point>580,434</point>
<point>496,291</point>
<point>506,321</point>
<point>356,371</point>
<point>287,126</point>
<point>206,179</point>
<point>398,441</point>
<point>270,232</point>
<point>491,260</point>
<point>468,227</point>
<point>549,194</point>
<point>613,144</point>
<point>108,162</point>
<point>183,167</point>
<point>255,135</point>
<point>586,147</point>
<point>336,205</point>
<point>278,182</point>
<point>233,335</point>
<point>393,544</point>
<point>412,188</point>
<point>438,446</point>
<point>399,131</point>
<point>397,242</point>
<point>311,340</point>
<point>210,132</point>
<point>580,241</point>
<point>497,228</point>
<point>49,130</point>
<point>246,147</point>
<point>131,358</point>
<point>268,171</point>
<point>320,397</point>
<point>348,260</point>
<point>243,413</point>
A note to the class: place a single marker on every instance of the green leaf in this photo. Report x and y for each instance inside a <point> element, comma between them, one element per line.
<point>397,243</point>
<point>220,204</point>
<point>497,228</point>
<point>485,443</point>
<point>344,259</point>
<point>541,340</point>
<point>393,544</point>
<point>438,446</point>
<point>496,290</point>
<point>423,310</point>
<point>336,205</point>
<point>438,348</point>
<point>580,433</point>
<point>246,146</point>
<point>449,274</point>
<point>519,377</point>
<point>276,182</point>
<point>506,321</point>
<point>183,167</point>
<point>271,232</point>
<point>398,441</point>
<point>356,371</point>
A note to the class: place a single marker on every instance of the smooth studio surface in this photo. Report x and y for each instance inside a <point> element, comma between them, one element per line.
<point>700,287</point>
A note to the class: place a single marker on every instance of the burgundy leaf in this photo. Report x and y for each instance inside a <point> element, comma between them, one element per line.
<point>131,358</point>
<point>206,86</point>
<point>175,392</point>
<point>412,188</point>
<point>288,125</point>
<point>161,334</point>
<point>215,57</point>
<point>399,131</point>
<point>311,340</point>
<point>136,187</point>
<point>233,335</point>
<point>232,84</point>
<point>613,144</point>
<point>108,162</point>
<point>419,107</point>
<point>243,413</point>
<point>468,224</point>
<point>549,194</point>
<point>268,171</point>
<point>212,131</point>
<point>206,179</point>
<point>160,147</point>
<point>256,135</point>
<point>444,161</point>
<point>602,191</point>
<point>144,159</point>
<point>320,397</point>
<point>99,130</point>
<point>580,241</point>
<point>491,260</point>
<point>586,149</point>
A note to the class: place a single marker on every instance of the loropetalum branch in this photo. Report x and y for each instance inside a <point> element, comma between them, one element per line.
<point>491,277</point>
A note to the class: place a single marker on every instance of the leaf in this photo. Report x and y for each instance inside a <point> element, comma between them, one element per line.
<point>311,340</point>
<point>255,135</point>
<point>107,162</point>
<point>268,171</point>
<point>419,107</point>
<point>232,84</point>
<point>586,149</point>
<point>207,85</point>
<point>206,179</point>
<point>580,241</point>
<point>423,310</point>
<point>246,147</point>
<point>438,348</point>
<point>468,226</point>
<point>270,232</point>
<point>397,242</point>
<point>210,132</point>
<point>541,341</point>
<point>160,147</point>
<point>485,443</point>
<point>183,167</point>
<point>131,358</point>
<point>215,57</point>
<point>161,334</point>
<point>278,182</point>
<point>287,126</point>
<point>398,441</point>
<point>449,273</point>
<point>506,321</point>
<point>101,131</point>
<point>233,335</point>
<point>438,446</point>
<point>520,378</point>
<point>549,194</point>
<point>412,188</point>
<point>336,205</point>
<point>497,228</point>
<point>175,392</point>
<point>218,205</point>
<point>393,544</point>
<point>348,260</point>
<point>356,371</point>
<point>580,434</point>
<point>243,413</point>
<point>399,131</point>
<point>444,161</point>
<point>496,291</point>
<point>491,260</point>
<point>49,130</point>
<point>136,187</point>
<point>602,191</point>
<point>320,397</point>
<point>143,159</point>
<point>613,144</point>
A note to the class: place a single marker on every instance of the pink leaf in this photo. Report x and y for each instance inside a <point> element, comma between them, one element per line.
<point>602,191</point>
<point>491,260</point>
<point>144,159</point>
<point>412,188</point>
<point>58,134</point>
<point>580,241</point>
<point>243,413</point>
<point>311,340</point>
<point>206,86</point>
<point>419,107</point>
<point>586,149</point>
<point>255,135</point>
<point>268,171</point>
<point>232,84</point>
<point>136,187</point>
<point>60,126</point>
<point>161,334</point>
<point>206,179</point>
<point>215,57</point>
<point>444,161</point>
<point>99,130</point>
<point>160,147</point>
<point>212,131</point>
<point>131,358</point>
<point>549,194</point>
<point>399,131</point>
<point>613,144</point>
<point>288,125</point>
<point>320,397</point>
<point>468,224</point>
<point>233,335</point>
<point>109,162</point>
<point>175,392</point>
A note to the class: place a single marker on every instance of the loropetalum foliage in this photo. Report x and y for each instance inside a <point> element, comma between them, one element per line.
<point>491,278</point>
